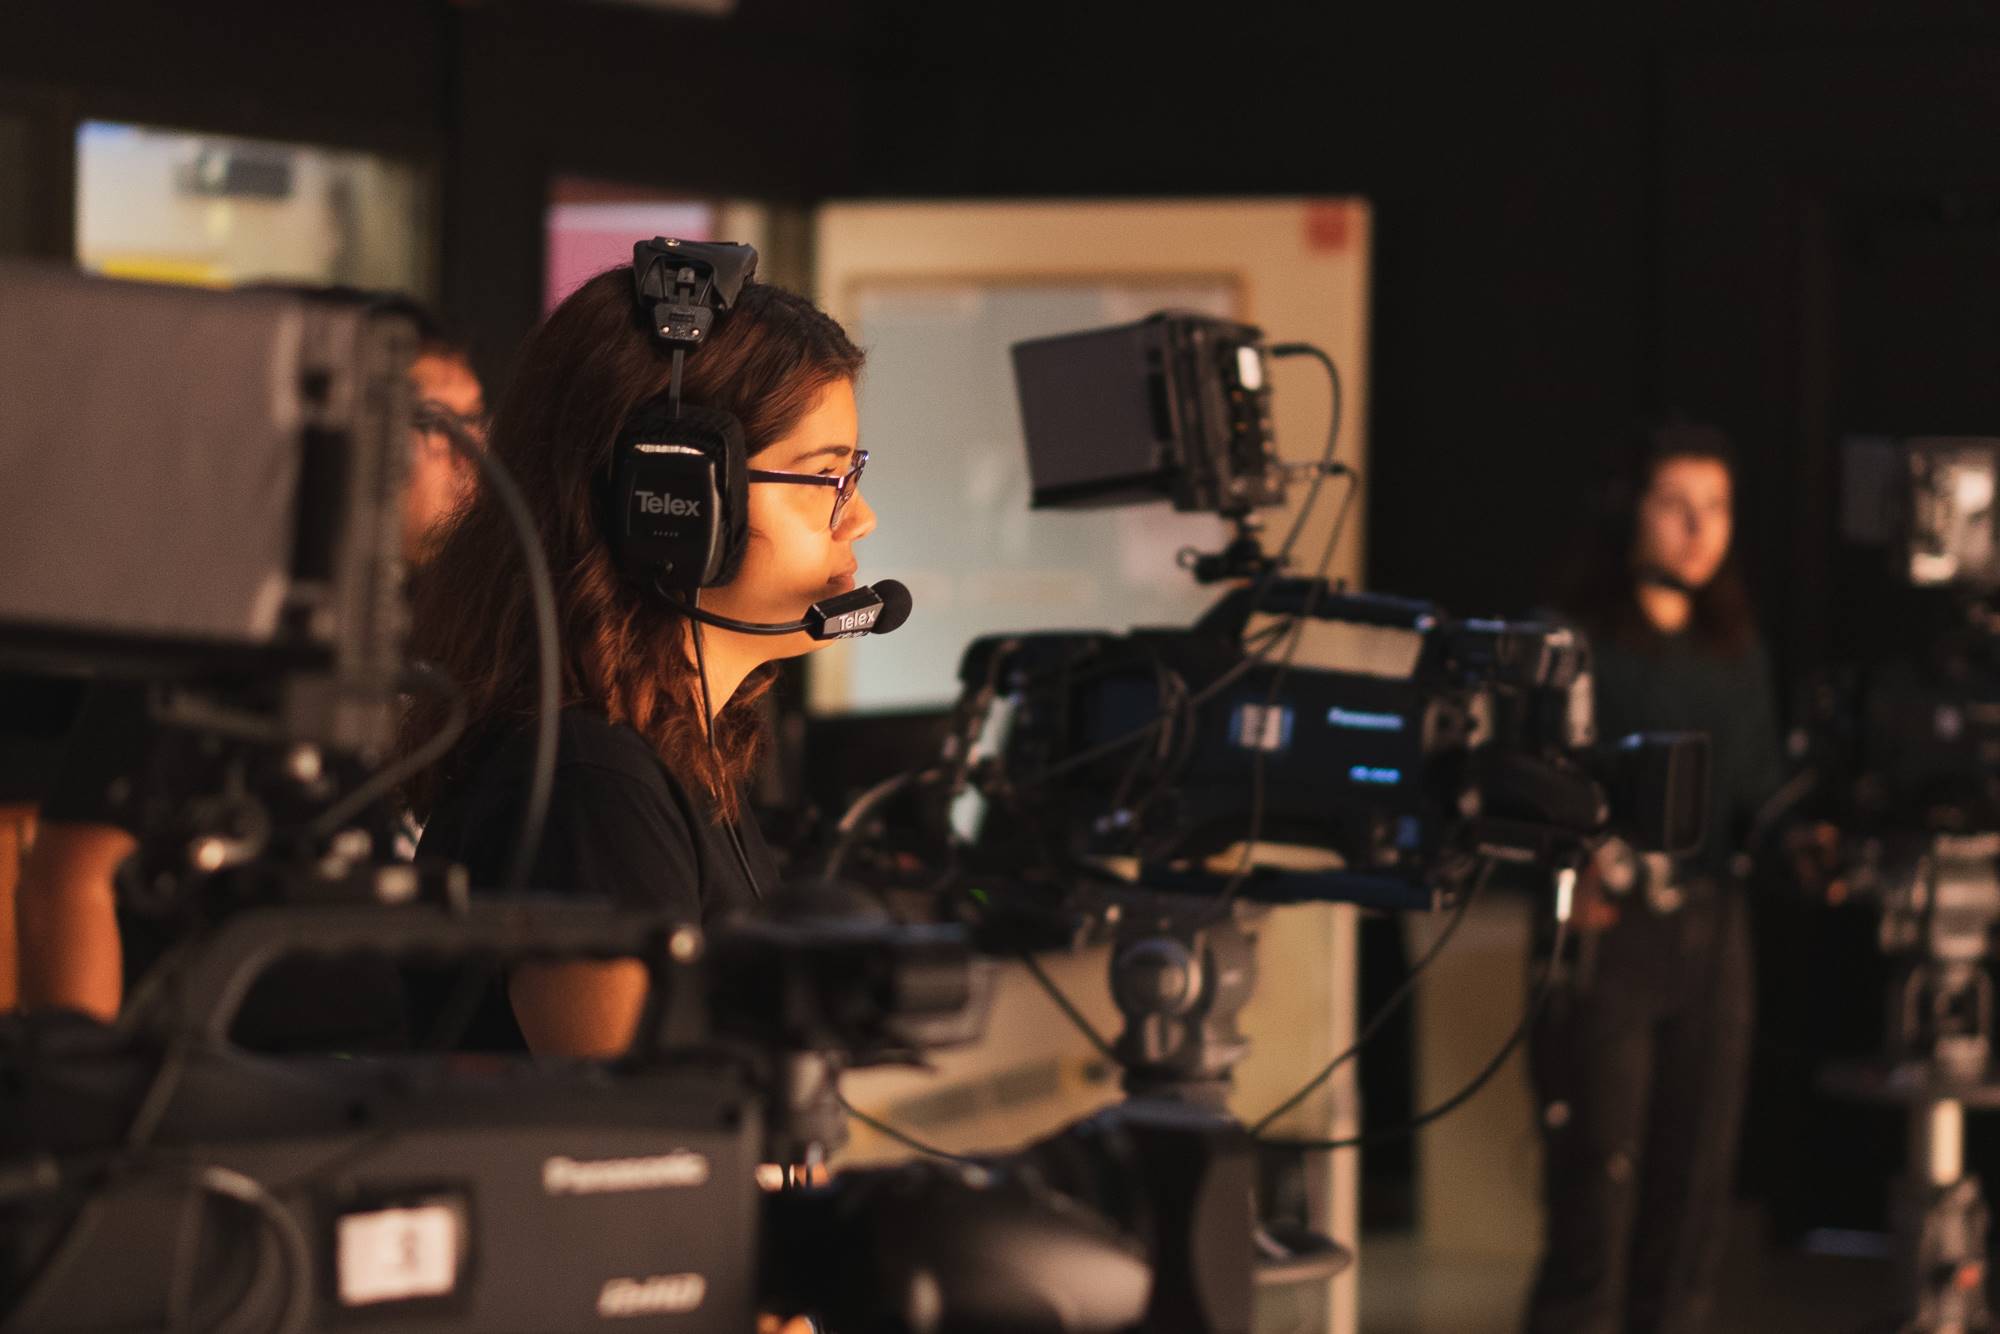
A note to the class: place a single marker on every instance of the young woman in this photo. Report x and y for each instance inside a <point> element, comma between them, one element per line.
<point>647,806</point>
<point>1640,1063</point>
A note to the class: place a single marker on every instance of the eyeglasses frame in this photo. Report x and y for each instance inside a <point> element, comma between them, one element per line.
<point>848,483</point>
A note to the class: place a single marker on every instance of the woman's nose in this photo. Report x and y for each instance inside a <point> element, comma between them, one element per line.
<point>857,520</point>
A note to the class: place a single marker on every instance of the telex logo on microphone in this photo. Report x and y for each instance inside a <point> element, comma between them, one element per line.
<point>657,502</point>
<point>853,622</point>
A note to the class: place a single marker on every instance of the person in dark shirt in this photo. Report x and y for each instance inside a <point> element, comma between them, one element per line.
<point>1641,1060</point>
<point>647,807</point>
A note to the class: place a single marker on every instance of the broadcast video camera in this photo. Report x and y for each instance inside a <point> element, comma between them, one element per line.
<point>1911,739</point>
<point>1484,750</point>
<point>1170,745</point>
<point>1901,747</point>
<point>1901,750</point>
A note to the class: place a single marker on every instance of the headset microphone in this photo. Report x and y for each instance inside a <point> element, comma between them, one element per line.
<point>872,609</point>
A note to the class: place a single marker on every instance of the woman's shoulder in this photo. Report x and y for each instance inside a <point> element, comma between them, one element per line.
<point>586,738</point>
<point>605,772</point>
<point>590,748</point>
<point>618,826</point>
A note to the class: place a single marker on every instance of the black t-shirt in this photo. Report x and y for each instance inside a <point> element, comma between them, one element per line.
<point>621,828</point>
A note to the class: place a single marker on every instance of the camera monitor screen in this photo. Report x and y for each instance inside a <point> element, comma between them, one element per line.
<point>1175,407</point>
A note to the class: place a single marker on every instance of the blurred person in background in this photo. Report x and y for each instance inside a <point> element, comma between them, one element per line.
<point>120,773</point>
<point>1640,1059</point>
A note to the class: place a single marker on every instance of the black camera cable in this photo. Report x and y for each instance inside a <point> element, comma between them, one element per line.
<point>548,642</point>
<point>463,1001</point>
<point>853,821</point>
<point>293,1250</point>
<point>1262,641</point>
<point>1076,1016</point>
<point>709,720</point>
<point>1326,464</point>
<point>386,780</point>
<point>967,725</point>
<point>902,1137</point>
<point>1529,1014</point>
<point>1383,1013</point>
<point>1070,1010</point>
<point>1173,742</point>
<point>1766,820</point>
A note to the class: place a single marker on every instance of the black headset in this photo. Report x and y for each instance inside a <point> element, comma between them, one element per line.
<point>673,503</point>
<point>674,500</point>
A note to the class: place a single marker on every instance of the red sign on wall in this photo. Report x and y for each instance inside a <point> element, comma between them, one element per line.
<point>1329,225</point>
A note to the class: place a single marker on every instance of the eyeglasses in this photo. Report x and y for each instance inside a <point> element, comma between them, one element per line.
<point>432,416</point>
<point>847,483</point>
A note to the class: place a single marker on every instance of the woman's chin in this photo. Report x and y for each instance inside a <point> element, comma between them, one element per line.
<point>794,646</point>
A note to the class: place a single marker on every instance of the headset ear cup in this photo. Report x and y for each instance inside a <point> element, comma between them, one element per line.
<point>664,528</point>
<point>673,507</point>
<point>721,437</point>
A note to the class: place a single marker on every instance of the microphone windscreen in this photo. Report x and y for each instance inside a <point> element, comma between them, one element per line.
<point>895,605</point>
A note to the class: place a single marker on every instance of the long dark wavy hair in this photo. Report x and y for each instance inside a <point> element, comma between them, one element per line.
<point>624,648</point>
<point>1602,592</point>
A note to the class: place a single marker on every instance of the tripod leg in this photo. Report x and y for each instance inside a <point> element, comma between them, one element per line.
<point>1945,1216</point>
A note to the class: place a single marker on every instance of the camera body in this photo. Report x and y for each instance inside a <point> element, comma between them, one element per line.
<point>1931,500</point>
<point>1486,748</point>
<point>415,1193</point>
<point>1905,733</point>
<point>217,482</point>
<point>310,1191</point>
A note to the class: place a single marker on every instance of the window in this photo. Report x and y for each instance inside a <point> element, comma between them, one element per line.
<point>172,206</point>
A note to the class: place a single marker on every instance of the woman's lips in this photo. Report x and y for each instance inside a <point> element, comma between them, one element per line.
<point>843,582</point>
